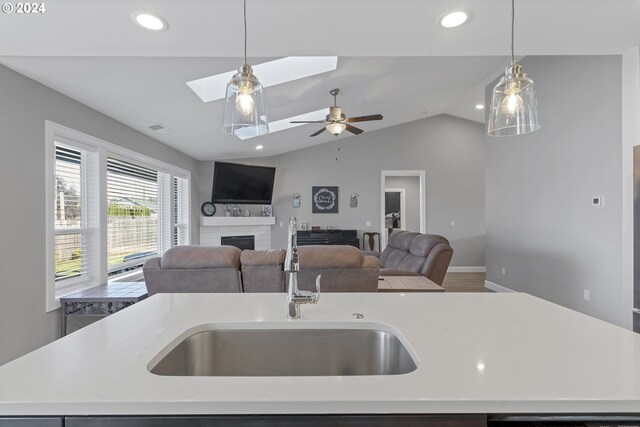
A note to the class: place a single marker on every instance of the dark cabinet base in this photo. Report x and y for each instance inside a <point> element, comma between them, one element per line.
<point>283,421</point>
<point>346,420</point>
<point>32,422</point>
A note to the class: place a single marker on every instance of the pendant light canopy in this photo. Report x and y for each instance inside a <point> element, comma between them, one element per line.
<point>244,113</point>
<point>514,108</point>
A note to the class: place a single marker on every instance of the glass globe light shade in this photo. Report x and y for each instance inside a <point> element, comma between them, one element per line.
<point>336,128</point>
<point>244,113</point>
<point>514,107</point>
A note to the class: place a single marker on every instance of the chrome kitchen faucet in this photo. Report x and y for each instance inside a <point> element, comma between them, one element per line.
<point>295,297</point>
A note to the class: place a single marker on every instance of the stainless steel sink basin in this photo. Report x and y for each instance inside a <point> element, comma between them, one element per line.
<point>287,352</point>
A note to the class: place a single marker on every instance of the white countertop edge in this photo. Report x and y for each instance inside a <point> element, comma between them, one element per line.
<point>328,407</point>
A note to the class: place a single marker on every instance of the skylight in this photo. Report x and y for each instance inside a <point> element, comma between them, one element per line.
<point>271,73</point>
<point>284,124</point>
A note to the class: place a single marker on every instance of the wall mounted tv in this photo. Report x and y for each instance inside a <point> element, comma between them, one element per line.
<point>242,184</point>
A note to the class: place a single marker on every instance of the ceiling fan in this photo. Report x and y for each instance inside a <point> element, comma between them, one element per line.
<point>336,122</point>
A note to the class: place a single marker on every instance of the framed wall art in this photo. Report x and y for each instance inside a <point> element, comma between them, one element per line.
<point>325,199</point>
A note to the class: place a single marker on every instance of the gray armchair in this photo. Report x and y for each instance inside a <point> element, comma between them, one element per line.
<point>194,269</point>
<point>411,254</point>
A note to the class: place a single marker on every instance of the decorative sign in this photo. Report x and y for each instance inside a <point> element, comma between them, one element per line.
<point>325,199</point>
<point>353,201</point>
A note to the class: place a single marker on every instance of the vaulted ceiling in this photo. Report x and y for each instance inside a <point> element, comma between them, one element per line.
<point>394,58</point>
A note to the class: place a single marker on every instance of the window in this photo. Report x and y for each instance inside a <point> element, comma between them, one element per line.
<point>108,210</point>
<point>132,215</point>
<point>73,216</point>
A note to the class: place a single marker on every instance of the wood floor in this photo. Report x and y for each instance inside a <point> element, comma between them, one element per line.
<point>464,282</point>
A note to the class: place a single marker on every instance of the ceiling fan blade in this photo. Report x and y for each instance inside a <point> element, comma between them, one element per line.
<point>318,133</point>
<point>302,121</point>
<point>364,118</point>
<point>353,129</point>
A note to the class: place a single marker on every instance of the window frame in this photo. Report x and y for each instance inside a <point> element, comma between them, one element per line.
<point>55,132</point>
<point>89,211</point>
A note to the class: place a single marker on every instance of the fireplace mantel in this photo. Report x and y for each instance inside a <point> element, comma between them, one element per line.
<point>234,221</point>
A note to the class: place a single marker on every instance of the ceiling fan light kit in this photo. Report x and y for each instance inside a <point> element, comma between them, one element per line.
<point>244,113</point>
<point>514,107</point>
<point>336,128</point>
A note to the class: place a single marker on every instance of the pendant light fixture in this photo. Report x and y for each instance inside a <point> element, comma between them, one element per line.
<point>514,108</point>
<point>244,114</point>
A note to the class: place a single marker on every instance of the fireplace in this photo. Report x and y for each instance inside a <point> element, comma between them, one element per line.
<point>212,228</point>
<point>242,242</point>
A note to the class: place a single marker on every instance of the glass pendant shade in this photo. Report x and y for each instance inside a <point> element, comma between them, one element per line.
<point>514,108</point>
<point>244,113</point>
<point>336,128</point>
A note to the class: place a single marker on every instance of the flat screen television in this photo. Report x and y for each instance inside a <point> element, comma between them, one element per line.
<point>238,184</point>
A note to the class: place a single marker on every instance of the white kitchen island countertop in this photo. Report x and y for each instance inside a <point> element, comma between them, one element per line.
<point>476,353</point>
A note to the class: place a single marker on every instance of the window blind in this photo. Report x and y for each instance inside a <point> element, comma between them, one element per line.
<point>132,214</point>
<point>180,211</point>
<point>72,243</point>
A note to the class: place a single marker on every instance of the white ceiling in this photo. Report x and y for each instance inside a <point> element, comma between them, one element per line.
<point>394,58</point>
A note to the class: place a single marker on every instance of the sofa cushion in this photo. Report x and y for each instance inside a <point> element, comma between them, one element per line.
<point>397,248</point>
<point>411,263</point>
<point>370,262</point>
<point>422,244</point>
<point>263,257</point>
<point>402,239</point>
<point>262,270</point>
<point>392,257</point>
<point>194,257</point>
<point>328,256</point>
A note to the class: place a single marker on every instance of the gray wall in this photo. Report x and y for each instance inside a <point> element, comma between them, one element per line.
<point>24,107</point>
<point>541,226</point>
<point>411,184</point>
<point>451,150</point>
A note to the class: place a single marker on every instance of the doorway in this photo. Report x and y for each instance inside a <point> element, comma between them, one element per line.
<point>395,208</point>
<point>403,202</point>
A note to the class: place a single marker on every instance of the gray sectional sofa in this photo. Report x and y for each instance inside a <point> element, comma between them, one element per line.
<point>228,269</point>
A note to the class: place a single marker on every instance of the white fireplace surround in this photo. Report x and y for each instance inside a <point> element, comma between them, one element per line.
<point>214,227</point>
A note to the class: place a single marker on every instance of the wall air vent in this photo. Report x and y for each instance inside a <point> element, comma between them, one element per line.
<point>158,127</point>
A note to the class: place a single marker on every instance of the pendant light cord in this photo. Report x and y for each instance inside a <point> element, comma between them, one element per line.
<point>513,18</point>
<point>245,31</point>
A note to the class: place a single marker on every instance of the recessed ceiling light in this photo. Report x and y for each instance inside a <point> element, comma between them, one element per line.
<point>259,147</point>
<point>479,107</point>
<point>149,21</point>
<point>271,73</point>
<point>453,19</point>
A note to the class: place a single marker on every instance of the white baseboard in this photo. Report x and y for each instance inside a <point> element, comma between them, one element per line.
<point>479,269</point>
<point>496,288</point>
